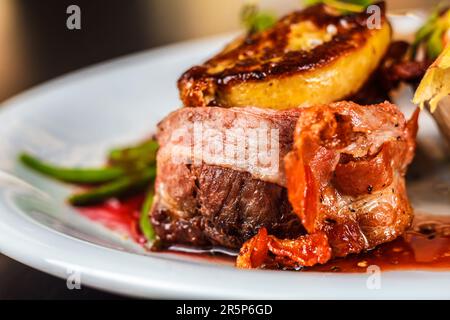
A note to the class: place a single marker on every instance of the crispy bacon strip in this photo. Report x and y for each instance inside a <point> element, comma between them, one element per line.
<point>345,180</point>
<point>346,173</point>
<point>254,252</point>
<point>306,250</point>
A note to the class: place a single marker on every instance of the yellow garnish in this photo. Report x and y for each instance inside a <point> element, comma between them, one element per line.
<point>436,84</point>
<point>343,5</point>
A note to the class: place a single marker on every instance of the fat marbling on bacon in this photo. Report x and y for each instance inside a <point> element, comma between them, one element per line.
<point>346,182</point>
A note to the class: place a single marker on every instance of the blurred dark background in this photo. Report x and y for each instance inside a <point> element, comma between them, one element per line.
<point>35,46</point>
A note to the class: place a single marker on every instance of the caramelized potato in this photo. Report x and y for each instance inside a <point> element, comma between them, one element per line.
<point>314,56</point>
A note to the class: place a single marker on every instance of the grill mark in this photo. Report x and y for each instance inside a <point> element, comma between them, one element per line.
<point>253,69</point>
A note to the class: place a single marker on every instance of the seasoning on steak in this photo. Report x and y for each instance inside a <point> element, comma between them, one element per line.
<point>346,182</point>
<point>212,186</point>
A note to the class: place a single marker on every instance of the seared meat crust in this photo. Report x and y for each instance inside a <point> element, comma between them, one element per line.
<point>212,206</point>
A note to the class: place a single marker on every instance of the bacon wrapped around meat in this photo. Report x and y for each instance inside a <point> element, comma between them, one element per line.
<point>346,182</point>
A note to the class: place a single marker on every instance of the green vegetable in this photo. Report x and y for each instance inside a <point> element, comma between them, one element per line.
<point>363,3</point>
<point>118,188</point>
<point>343,5</point>
<point>431,34</point>
<point>435,44</point>
<point>144,220</point>
<point>72,175</point>
<point>427,29</point>
<point>143,154</point>
<point>255,20</point>
<point>132,170</point>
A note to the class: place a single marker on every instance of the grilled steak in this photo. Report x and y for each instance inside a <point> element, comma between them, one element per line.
<point>212,186</point>
<point>213,206</point>
<point>314,56</point>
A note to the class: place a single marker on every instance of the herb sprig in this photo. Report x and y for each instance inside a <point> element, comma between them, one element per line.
<point>431,34</point>
<point>256,20</point>
<point>344,6</point>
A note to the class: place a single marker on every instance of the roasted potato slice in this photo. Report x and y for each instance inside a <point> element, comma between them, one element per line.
<point>314,56</point>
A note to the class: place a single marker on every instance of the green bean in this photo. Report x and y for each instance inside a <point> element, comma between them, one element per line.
<point>255,20</point>
<point>118,188</point>
<point>346,6</point>
<point>425,30</point>
<point>144,220</point>
<point>143,154</point>
<point>435,43</point>
<point>431,35</point>
<point>72,175</point>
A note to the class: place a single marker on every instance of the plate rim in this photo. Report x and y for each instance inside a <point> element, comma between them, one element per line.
<point>96,275</point>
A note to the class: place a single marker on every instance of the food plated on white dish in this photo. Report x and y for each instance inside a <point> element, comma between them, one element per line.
<point>290,153</point>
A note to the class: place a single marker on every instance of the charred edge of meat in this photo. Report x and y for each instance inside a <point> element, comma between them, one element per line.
<point>346,160</point>
<point>217,207</point>
<point>294,62</point>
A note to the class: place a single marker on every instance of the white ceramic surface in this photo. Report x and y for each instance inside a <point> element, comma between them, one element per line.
<point>74,120</point>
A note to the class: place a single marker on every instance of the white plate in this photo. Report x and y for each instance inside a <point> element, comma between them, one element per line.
<point>74,120</point>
